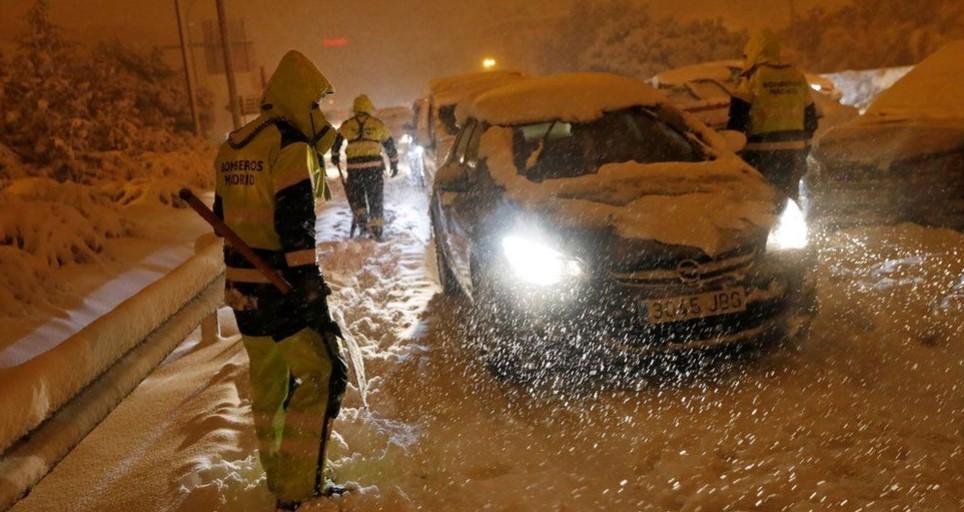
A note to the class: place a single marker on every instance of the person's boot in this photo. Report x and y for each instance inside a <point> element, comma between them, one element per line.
<point>286,506</point>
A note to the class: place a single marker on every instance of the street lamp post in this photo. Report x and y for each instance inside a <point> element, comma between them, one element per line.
<point>187,71</point>
<point>229,67</point>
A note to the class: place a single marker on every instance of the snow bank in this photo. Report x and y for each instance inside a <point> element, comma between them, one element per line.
<point>931,89</point>
<point>571,97</point>
<point>35,389</point>
<point>714,206</point>
<point>46,224</point>
<point>57,223</point>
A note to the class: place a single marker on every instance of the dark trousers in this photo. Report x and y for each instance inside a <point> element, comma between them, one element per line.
<point>366,191</point>
<point>782,168</point>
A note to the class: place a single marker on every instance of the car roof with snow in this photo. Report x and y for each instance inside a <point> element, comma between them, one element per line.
<point>454,89</point>
<point>721,70</point>
<point>570,97</point>
<point>931,90</point>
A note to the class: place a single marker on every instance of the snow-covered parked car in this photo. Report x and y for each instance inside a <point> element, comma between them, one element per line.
<point>903,160</point>
<point>434,119</point>
<point>585,206</point>
<point>705,89</point>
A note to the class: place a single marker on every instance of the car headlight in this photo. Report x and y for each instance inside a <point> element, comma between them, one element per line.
<point>790,231</point>
<point>538,264</point>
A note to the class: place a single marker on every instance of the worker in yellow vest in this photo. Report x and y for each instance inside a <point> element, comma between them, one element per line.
<point>268,178</point>
<point>773,107</point>
<point>366,138</point>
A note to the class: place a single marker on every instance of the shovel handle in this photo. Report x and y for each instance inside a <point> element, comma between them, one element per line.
<point>236,242</point>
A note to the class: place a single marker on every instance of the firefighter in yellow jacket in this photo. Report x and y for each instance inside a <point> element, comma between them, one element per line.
<point>773,107</point>
<point>366,137</point>
<point>268,175</point>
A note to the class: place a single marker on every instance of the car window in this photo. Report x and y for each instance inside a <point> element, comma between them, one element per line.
<point>559,149</point>
<point>461,142</point>
<point>472,150</point>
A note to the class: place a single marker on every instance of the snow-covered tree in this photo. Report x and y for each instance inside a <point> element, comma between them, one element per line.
<point>62,102</point>
<point>627,39</point>
<point>641,46</point>
<point>874,33</point>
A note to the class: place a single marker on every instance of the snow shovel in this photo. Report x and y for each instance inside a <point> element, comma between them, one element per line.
<point>222,229</point>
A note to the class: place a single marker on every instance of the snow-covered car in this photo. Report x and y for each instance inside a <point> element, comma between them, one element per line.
<point>585,206</point>
<point>396,119</point>
<point>434,118</point>
<point>704,90</point>
<point>903,160</point>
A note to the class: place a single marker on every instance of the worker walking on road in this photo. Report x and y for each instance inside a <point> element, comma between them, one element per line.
<point>267,175</point>
<point>773,107</point>
<point>366,136</point>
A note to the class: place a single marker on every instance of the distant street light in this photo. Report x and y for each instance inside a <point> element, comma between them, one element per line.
<point>488,63</point>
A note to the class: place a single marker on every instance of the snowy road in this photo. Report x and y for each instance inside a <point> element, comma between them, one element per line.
<point>865,414</point>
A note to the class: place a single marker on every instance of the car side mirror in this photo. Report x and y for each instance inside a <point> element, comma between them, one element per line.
<point>735,141</point>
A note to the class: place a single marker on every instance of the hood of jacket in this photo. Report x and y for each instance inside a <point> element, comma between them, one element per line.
<point>762,48</point>
<point>363,105</point>
<point>293,93</point>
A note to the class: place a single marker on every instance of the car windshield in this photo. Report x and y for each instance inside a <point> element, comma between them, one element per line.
<point>559,149</point>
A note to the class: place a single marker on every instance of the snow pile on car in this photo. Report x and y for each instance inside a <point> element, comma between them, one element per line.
<point>720,70</point>
<point>455,89</point>
<point>932,89</point>
<point>714,206</point>
<point>571,97</point>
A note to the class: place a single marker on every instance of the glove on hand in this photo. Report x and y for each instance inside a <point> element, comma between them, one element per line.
<point>307,283</point>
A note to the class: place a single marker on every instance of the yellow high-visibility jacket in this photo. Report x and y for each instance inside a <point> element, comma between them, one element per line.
<point>772,104</point>
<point>366,136</point>
<point>268,173</point>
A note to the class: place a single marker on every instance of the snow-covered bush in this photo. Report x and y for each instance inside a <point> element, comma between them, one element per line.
<point>58,223</point>
<point>61,101</point>
<point>870,34</point>
<point>27,286</point>
<point>85,133</point>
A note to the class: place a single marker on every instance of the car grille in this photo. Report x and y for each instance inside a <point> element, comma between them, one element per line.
<point>691,273</point>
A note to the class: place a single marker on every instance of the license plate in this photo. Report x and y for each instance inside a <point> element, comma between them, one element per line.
<point>688,307</point>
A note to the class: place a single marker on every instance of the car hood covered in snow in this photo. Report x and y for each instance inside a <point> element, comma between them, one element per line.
<point>714,206</point>
<point>881,142</point>
<point>920,117</point>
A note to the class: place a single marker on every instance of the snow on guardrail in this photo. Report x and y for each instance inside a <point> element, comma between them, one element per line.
<point>33,391</point>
